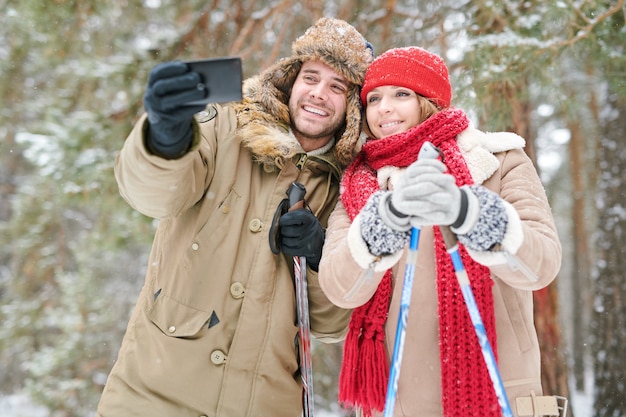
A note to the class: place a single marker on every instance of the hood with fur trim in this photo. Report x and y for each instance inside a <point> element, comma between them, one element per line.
<point>263,114</point>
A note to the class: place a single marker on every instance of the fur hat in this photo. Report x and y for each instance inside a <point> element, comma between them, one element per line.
<point>411,67</point>
<point>340,46</point>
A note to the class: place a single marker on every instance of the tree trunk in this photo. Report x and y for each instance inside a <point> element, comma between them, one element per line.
<point>581,271</point>
<point>609,315</point>
<point>546,311</point>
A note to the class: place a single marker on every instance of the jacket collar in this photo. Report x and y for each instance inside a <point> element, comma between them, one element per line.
<point>478,149</point>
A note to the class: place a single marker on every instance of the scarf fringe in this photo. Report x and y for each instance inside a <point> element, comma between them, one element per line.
<point>365,371</point>
<point>375,375</point>
<point>366,389</point>
<point>348,377</point>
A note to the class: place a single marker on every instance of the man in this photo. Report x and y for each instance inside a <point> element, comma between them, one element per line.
<point>214,332</point>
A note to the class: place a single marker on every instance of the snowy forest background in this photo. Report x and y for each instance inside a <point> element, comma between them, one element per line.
<point>72,253</point>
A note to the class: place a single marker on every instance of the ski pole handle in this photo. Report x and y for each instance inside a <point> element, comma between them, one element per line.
<point>429,151</point>
<point>295,194</point>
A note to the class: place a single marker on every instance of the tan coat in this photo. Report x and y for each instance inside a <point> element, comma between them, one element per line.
<point>214,332</point>
<point>493,161</point>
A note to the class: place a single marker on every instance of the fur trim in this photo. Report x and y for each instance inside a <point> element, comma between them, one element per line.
<point>478,148</point>
<point>264,109</point>
<point>388,176</point>
<point>264,123</point>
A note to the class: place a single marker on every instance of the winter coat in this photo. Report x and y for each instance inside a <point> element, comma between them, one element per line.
<point>496,161</point>
<point>214,332</point>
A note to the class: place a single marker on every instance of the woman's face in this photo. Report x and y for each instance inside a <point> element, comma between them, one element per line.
<point>391,109</point>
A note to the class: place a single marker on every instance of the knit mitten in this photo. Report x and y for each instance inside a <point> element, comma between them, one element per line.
<point>491,222</point>
<point>381,239</point>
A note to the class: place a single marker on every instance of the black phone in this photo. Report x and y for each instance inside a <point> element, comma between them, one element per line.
<point>221,77</point>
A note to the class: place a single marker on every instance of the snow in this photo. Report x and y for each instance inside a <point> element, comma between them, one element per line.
<point>582,405</point>
<point>42,150</point>
<point>19,405</point>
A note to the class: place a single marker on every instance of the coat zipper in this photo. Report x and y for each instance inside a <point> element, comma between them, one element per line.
<point>301,161</point>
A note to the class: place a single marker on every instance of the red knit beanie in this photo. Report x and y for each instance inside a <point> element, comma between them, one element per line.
<point>411,67</point>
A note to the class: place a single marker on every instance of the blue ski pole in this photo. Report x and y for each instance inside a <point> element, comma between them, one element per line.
<point>428,150</point>
<point>398,347</point>
<point>452,246</point>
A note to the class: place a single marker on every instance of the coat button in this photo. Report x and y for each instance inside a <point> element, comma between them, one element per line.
<point>218,357</point>
<point>195,246</point>
<point>255,225</point>
<point>171,329</point>
<point>206,115</point>
<point>237,290</point>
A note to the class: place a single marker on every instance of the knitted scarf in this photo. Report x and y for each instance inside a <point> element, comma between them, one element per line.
<point>466,386</point>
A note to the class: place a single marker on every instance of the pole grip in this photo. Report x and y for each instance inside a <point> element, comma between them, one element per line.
<point>295,194</point>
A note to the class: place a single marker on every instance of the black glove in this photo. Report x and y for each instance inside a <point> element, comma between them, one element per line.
<point>301,234</point>
<point>170,86</point>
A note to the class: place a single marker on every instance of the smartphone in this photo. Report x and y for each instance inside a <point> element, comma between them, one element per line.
<point>221,77</point>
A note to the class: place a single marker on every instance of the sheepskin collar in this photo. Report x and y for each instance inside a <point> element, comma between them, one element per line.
<point>478,149</point>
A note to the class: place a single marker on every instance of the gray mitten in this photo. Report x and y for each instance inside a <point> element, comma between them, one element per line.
<point>391,216</point>
<point>491,220</point>
<point>428,195</point>
<point>381,238</point>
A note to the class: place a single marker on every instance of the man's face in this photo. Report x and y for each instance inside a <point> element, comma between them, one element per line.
<point>317,104</point>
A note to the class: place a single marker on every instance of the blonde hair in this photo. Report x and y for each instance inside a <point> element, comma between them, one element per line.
<point>427,108</point>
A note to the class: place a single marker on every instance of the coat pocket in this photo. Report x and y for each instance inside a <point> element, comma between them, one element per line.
<point>176,319</point>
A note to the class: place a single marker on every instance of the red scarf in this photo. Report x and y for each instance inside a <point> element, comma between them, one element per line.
<point>467,389</point>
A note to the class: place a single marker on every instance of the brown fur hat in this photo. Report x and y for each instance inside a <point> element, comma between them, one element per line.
<point>332,41</point>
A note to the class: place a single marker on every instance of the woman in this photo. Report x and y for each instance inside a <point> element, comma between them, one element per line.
<point>489,194</point>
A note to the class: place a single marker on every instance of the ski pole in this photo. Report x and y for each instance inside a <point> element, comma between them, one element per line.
<point>295,194</point>
<point>398,347</point>
<point>428,150</point>
<point>452,247</point>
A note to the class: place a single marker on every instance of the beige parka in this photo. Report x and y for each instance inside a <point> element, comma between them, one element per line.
<point>214,331</point>
<point>496,161</point>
